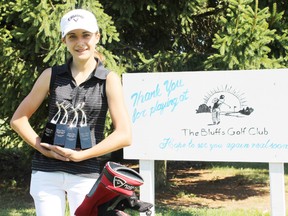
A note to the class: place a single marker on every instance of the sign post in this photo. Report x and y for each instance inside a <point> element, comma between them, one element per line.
<point>147,191</point>
<point>210,116</point>
<point>277,189</point>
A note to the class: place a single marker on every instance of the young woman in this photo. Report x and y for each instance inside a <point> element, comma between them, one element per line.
<point>81,82</point>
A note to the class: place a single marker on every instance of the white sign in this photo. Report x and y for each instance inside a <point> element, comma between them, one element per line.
<point>208,116</point>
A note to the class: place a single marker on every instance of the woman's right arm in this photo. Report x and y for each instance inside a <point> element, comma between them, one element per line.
<point>20,120</point>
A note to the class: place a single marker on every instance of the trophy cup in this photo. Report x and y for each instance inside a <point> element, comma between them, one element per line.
<point>84,130</point>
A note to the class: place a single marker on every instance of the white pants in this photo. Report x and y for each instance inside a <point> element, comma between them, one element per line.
<point>49,190</point>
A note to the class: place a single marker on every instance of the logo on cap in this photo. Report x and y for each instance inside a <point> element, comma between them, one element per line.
<point>75,17</point>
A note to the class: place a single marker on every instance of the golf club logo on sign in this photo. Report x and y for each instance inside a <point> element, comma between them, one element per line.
<point>225,101</point>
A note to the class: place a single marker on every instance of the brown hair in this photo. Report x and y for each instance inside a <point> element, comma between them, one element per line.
<point>99,56</point>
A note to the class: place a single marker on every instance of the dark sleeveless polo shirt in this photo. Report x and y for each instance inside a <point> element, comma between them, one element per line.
<point>92,93</point>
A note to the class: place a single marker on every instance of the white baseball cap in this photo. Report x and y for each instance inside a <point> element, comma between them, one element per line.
<point>78,19</point>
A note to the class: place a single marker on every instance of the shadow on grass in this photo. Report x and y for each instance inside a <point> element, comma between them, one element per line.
<point>190,182</point>
<point>234,187</point>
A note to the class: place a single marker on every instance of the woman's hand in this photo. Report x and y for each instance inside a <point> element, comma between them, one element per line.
<point>60,153</point>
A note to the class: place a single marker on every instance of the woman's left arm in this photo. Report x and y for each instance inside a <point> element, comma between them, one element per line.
<point>119,138</point>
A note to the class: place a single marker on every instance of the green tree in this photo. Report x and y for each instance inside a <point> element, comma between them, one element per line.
<point>178,36</point>
<point>250,38</point>
<point>158,36</point>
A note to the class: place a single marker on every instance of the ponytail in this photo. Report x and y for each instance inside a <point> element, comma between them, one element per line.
<point>99,56</point>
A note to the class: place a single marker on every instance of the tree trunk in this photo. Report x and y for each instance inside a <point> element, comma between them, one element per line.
<point>160,174</point>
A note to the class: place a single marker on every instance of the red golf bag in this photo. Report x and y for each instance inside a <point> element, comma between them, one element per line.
<point>113,192</point>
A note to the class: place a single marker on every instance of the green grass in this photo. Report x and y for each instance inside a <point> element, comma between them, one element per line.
<point>207,212</point>
<point>164,211</point>
<point>250,172</point>
<point>247,175</point>
<point>160,211</point>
